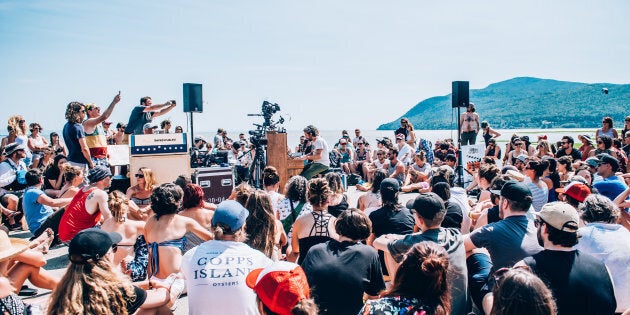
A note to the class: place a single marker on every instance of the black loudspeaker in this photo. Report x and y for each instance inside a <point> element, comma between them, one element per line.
<point>461,96</point>
<point>193,100</point>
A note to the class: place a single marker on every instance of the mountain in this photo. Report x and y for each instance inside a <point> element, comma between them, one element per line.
<point>527,102</point>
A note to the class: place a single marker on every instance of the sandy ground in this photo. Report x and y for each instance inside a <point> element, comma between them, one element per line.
<point>57,258</point>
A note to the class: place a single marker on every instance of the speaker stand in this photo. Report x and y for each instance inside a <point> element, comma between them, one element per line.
<point>460,166</point>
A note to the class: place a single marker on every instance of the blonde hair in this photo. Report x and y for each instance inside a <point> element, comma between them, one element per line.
<point>118,205</point>
<point>14,122</point>
<point>90,288</point>
<point>260,224</point>
<point>149,179</point>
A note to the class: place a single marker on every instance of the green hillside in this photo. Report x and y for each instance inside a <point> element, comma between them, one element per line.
<point>528,103</point>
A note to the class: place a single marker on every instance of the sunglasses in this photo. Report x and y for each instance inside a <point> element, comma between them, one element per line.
<point>139,175</point>
<point>22,121</point>
<point>360,143</point>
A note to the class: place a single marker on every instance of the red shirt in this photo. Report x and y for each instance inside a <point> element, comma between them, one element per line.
<point>76,219</point>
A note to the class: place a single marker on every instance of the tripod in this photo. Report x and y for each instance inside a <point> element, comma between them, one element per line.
<point>254,176</point>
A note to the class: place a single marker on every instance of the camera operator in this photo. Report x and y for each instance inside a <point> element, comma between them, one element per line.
<point>319,156</point>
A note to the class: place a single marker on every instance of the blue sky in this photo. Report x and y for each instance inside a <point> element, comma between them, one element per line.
<point>335,64</point>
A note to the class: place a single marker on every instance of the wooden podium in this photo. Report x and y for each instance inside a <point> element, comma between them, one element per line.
<point>277,157</point>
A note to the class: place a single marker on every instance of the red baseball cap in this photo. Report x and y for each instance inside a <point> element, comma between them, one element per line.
<point>280,286</point>
<point>576,190</point>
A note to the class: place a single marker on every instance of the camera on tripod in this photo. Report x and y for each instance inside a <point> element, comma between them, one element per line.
<point>258,138</point>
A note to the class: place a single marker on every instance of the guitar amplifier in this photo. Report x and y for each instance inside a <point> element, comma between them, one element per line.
<point>217,182</point>
<point>169,143</point>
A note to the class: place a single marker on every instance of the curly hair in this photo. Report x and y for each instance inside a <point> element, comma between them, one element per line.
<point>193,196</point>
<point>598,208</point>
<point>296,188</point>
<point>73,112</point>
<point>118,205</point>
<point>165,199</point>
<point>71,172</point>
<point>318,191</point>
<point>91,288</point>
<point>422,275</point>
<point>260,224</point>
<point>270,176</point>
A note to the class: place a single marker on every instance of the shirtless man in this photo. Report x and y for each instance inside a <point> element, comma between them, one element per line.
<point>470,125</point>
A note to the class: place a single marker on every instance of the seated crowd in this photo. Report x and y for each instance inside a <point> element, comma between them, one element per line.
<point>547,233</point>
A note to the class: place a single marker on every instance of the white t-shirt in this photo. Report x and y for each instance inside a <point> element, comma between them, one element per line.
<point>215,273</point>
<point>320,143</point>
<point>405,154</point>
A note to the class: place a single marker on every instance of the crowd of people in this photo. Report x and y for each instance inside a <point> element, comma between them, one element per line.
<point>548,232</point>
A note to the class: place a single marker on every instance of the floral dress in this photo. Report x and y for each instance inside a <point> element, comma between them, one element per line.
<point>395,305</point>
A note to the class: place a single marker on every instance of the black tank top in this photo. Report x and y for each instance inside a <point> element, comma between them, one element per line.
<point>319,233</point>
<point>335,211</point>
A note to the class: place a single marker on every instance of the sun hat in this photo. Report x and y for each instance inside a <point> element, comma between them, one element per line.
<point>11,247</point>
<point>560,215</point>
<point>576,190</point>
<point>230,213</point>
<point>92,244</point>
<point>98,173</point>
<point>280,286</point>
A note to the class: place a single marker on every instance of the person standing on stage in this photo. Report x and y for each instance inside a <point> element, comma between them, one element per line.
<point>470,125</point>
<point>95,134</point>
<point>144,113</point>
<point>319,155</point>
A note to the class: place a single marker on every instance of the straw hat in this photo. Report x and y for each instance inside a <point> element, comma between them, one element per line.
<point>11,247</point>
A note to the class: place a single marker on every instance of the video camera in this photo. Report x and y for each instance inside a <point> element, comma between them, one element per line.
<point>200,158</point>
<point>259,135</point>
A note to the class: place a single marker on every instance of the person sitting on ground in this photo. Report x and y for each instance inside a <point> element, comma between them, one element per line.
<point>586,147</point>
<point>565,168</point>
<point>520,292</point>
<point>10,138</point>
<point>454,214</point>
<point>73,178</point>
<point>378,163</point>
<point>611,185</point>
<point>271,184</point>
<point>489,133</point>
<point>493,150</point>
<point>604,145</point>
<point>216,270</point>
<point>338,201</point>
<point>540,191</point>
<point>418,174</point>
<point>36,143</point>
<point>165,232</point>
<point>294,204</point>
<point>193,207</point>
<point>567,149</point>
<point>12,182</point>
<point>488,211</point>
<point>395,168</point>
<point>139,195</point>
<point>347,155</point>
<point>37,205</point>
<point>543,150</point>
<point>88,207</point>
<point>580,283</point>
<point>362,158</point>
<point>607,129</point>
<point>129,230</point>
<point>607,241</point>
<point>371,200</point>
<point>420,285</point>
<point>91,286</point>
<point>429,212</point>
<point>345,256</point>
<point>265,233</point>
<point>507,241</point>
<point>281,288</point>
<point>519,149</point>
<point>405,151</point>
<point>315,227</point>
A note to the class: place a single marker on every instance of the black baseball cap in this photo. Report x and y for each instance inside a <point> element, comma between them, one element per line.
<point>91,244</point>
<point>608,159</point>
<point>513,190</point>
<point>389,186</point>
<point>427,205</point>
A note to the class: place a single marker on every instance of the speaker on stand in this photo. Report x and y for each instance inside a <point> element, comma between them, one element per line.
<point>193,103</point>
<point>460,98</point>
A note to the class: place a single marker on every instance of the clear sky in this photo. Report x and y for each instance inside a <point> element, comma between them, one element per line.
<point>335,64</point>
